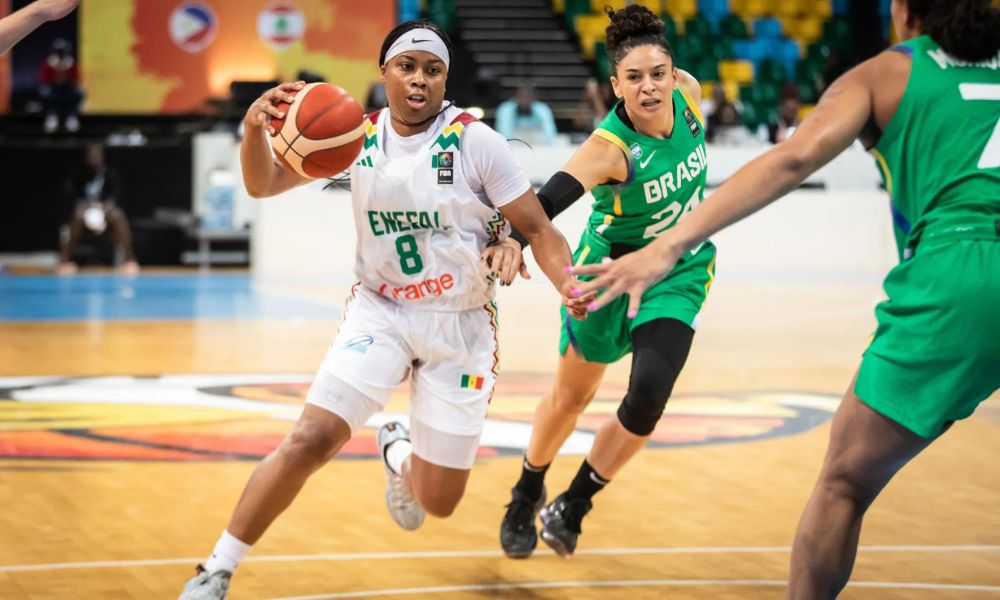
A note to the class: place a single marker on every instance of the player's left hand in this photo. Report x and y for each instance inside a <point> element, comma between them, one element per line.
<point>505,261</point>
<point>631,274</point>
<point>576,306</point>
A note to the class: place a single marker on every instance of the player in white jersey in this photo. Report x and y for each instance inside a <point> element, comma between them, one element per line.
<point>432,191</point>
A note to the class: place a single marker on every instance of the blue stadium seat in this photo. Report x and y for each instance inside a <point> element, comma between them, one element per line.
<point>787,53</point>
<point>767,28</point>
<point>840,7</point>
<point>752,50</point>
<point>713,10</point>
<point>885,8</point>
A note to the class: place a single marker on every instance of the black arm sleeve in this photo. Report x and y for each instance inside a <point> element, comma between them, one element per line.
<point>558,194</point>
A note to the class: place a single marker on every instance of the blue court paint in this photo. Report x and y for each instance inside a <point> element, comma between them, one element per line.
<point>149,297</point>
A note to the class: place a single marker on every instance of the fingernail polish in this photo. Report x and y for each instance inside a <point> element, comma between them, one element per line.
<point>592,306</point>
<point>575,292</point>
<point>568,270</point>
<point>606,260</point>
<point>632,314</point>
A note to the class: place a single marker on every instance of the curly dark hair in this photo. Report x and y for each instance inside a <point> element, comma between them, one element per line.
<point>966,29</point>
<point>633,26</point>
<point>402,28</point>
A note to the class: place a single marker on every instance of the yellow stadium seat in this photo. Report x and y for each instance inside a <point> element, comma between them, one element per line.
<point>784,9</point>
<point>737,71</point>
<point>597,6</point>
<point>732,90</point>
<point>757,8</point>
<point>590,29</point>
<point>804,110</point>
<point>808,30</point>
<point>820,8</point>
<point>559,6</point>
<point>682,9</point>
<point>707,87</point>
<point>736,6</point>
<point>654,5</point>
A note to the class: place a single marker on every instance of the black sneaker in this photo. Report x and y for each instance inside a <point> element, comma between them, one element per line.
<point>518,536</point>
<point>561,522</point>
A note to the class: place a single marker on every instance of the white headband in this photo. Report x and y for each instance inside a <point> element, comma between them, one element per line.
<point>419,39</point>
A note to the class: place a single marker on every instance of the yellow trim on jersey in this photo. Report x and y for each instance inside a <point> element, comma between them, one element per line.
<point>453,128</point>
<point>604,134</point>
<point>693,106</point>
<point>604,225</point>
<point>711,279</point>
<point>370,128</point>
<point>583,256</point>
<point>885,169</point>
<point>618,201</point>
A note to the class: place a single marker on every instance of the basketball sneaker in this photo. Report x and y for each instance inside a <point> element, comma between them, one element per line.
<point>403,507</point>
<point>206,586</point>
<point>561,523</point>
<point>518,535</point>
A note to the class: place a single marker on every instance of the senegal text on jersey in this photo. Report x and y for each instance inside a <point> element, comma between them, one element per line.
<point>403,220</point>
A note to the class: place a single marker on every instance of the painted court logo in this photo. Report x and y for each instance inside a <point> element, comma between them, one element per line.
<point>244,417</point>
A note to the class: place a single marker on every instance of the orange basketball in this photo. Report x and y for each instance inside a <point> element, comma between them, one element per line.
<point>322,131</point>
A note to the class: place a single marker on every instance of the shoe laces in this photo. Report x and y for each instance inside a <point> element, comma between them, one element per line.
<point>520,510</point>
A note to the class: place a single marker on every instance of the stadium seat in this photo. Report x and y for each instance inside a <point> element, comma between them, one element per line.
<point>840,8</point>
<point>739,71</point>
<point>597,6</point>
<point>699,26</point>
<point>821,9</point>
<point>752,50</point>
<point>771,71</point>
<point>767,28</point>
<point>836,30</point>
<point>733,28</point>
<point>756,8</point>
<point>706,69</point>
<point>807,30</point>
<point>656,6</point>
<point>682,9</point>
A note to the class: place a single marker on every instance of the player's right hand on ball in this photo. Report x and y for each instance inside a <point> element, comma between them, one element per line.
<point>266,106</point>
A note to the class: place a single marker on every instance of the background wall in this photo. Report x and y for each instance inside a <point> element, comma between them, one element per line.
<point>172,56</point>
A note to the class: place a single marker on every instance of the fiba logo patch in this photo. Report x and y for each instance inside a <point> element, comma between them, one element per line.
<point>281,24</point>
<point>636,150</point>
<point>193,26</point>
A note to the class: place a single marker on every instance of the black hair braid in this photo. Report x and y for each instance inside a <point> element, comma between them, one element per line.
<point>966,29</point>
<point>633,26</point>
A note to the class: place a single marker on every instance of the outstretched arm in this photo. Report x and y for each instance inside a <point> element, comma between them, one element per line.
<point>828,130</point>
<point>19,24</point>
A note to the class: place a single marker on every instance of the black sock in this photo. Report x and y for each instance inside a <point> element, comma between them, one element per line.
<point>586,483</point>
<point>532,479</point>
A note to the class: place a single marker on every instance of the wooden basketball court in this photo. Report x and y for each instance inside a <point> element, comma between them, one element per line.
<point>126,440</point>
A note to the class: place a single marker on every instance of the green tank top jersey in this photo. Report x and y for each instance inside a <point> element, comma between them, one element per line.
<point>940,153</point>
<point>666,177</point>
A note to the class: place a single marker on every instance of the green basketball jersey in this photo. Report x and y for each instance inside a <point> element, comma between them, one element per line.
<point>666,177</point>
<point>940,153</point>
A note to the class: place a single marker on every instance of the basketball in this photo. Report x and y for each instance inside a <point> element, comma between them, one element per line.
<point>321,133</point>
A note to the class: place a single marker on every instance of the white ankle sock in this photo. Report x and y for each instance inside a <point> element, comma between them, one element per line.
<point>228,554</point>
<point>396,454</point>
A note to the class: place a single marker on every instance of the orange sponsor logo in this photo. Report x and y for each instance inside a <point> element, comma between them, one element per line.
<point>435,286</point>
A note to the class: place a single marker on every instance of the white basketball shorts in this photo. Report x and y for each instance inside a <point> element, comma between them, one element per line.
<point>450,358</point>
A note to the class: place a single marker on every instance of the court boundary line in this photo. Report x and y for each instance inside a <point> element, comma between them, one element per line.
<point>434,554</point>
<point>530,585</point>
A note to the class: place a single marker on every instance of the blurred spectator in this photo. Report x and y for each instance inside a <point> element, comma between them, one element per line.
<point>94,190</point>
<point>726,128</point>
<point>60,88</point>
<point>526,118</point>
<point>376,97</point>
<point>788,116</point>
<point>594,105</point>
<point>836,65</point>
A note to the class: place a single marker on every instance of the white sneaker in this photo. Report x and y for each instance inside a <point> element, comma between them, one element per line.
<point>72,124</point>
<point>405,510</point>
<point>206,586</point>
<point>51,124</point>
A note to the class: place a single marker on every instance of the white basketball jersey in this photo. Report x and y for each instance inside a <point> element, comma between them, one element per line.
<point>421,228</point>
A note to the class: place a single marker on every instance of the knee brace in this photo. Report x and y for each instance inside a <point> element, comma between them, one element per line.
<point>659,351</point>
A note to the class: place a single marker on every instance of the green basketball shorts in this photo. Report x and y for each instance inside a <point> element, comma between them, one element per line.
<point>936,353</point>
<point>605,336</point>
